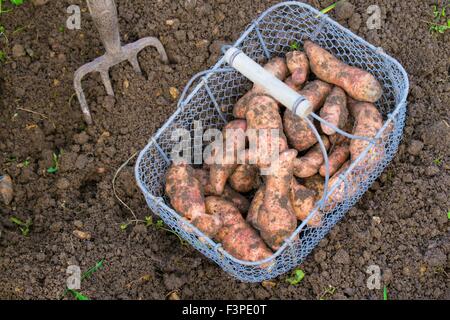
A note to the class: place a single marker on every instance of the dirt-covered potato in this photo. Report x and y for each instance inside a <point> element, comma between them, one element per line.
<point>334,111</point>
<point>225,164</point>
<point>303,201</point>
<point>297,131</point>
<point>276,218</point>
<point>252,216</point>
<point>358,83</point>
<point>310,163</point>
<point>368,121</point>
<point>336,159</point>
<point>186,197</point>
<point>315,183</point>
<point>298,65</point>
<point>263,119</point>
<point>237,237</point>
<point>245,178</point>
<point>276,66</point>
<point>241,202</point>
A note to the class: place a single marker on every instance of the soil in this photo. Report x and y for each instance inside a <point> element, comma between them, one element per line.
<point>400,224</point>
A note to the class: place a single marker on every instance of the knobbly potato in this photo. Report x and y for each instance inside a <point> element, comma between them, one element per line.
<point>358,83</point>
<point>276,218</point>
<point>237,237</point>
<point>298,65</point>
<point>237,199</point>
<point>368,121</point>
<point>338,139</point>
<point>186,197</point>
<point>315,183</point>
<point>241,202</point>
<point>310,163</point>
<point>336,159</point>
<point>277,67</point>
<point>225,164</point>
<point>341,192</point>
<point>245,178</point>
<point>297,131</point>
<point>334,111</point>
<point>263,117</point>
<point>291,84</point>
<point>252,216</point>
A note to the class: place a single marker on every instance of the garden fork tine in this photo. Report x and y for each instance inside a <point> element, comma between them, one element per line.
<point>104,14</point>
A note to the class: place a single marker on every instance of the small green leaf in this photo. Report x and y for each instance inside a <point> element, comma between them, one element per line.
<point>448,215</point>
<point>148,221</point>
<point>159,223</point>
<point>2,56</point>
<point>16,2</point>
<point>385,293</point>
<point>124,226</point>
<point>296,277</point>
<point>294,46</point>
<point>78,295</point>
<point>24,227</point>
<point>52,170</point>
<point>329,8</point>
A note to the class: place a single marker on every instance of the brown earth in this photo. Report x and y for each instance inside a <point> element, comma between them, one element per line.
<point>401,224</point>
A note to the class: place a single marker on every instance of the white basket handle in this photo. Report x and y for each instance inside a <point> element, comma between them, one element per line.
<point>276,88</point>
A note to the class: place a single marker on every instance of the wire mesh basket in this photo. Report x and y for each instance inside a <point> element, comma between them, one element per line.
<point>211,100</point>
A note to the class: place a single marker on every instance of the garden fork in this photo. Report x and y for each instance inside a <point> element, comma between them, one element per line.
<point>104,14</point>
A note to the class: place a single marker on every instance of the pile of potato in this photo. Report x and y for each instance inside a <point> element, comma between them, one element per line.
<point>251,215</point>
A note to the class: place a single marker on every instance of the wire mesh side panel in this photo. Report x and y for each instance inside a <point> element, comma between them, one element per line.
<point>212,100</point>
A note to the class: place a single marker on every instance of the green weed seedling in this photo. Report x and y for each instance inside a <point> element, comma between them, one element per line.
<point>2,56</point>
<point>77,295</point>
<point>23,226</point>
<point>296,277</point>
<point>439,14</point>
<point>294,46</point>
<point>55,159</point>
<point>385,293</point>
<point>86,275</point>
<point>14,2</point>
<point>327,293</point>
<point>437,161</point>
<point>448,215</point>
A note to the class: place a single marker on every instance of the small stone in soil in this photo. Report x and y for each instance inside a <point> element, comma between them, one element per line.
<point>174,93</point>
<point>6,189</point>
<point>83,235</point>
<point>269,284</point>
<point>173,295</point>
